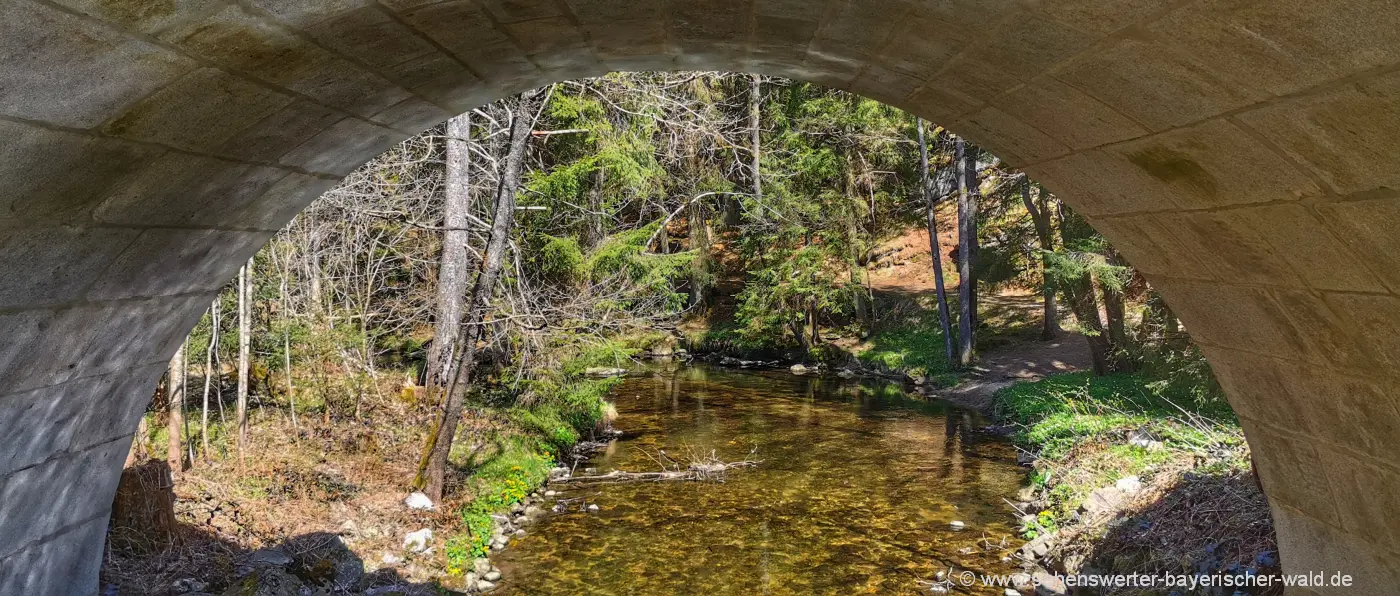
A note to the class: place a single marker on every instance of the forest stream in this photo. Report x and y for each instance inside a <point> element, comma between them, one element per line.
<point>857,490</point>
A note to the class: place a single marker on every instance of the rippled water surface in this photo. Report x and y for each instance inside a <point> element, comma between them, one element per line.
<point>854,494</point>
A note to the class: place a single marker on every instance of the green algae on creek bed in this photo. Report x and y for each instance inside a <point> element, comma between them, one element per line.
<point>855,492</point>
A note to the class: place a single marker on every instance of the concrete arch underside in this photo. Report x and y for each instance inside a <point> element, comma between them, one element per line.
<point>1244,154</point>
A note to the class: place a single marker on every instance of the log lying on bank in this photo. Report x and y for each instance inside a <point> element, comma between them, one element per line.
<point>712,471</point>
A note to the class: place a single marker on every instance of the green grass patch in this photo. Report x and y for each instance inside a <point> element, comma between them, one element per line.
<point>916,348</point>
<point>1062,411</point>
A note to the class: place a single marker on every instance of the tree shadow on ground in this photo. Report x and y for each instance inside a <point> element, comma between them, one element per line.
<point>1215,524</point>
<point>172,557</point>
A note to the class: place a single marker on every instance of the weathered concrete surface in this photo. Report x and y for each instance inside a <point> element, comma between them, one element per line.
<point>1244,153</point>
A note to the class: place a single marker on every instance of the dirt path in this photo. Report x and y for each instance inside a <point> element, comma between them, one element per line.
<point>1021,361</point>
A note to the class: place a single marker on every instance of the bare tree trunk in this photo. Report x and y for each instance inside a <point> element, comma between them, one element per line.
<point>1116,318</point>
<point>453,269</point>
<point>966,163</point>
<point>433,468</point>
<point>209,375</point>
<point>1080,294</point>
<point>291,387</point>
<point>1050,311</point>
<point>244,338</point>
<point>175,407</point>
<point>930,199</point>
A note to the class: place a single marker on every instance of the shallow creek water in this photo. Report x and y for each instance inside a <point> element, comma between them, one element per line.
<point>855,492</point>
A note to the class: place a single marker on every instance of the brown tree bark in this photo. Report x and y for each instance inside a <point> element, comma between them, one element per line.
<point>931,198</point>
<point>453,268</point>
<point>175,408</point>
<point>433,468</point>
<point>1050,312</point>
<point>966,162</point>
<point>1082,301</point>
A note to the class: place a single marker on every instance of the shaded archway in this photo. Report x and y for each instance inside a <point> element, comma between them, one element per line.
<point>1240,152</point>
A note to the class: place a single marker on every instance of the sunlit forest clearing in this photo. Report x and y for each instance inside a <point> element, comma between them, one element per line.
<point>442,342</point>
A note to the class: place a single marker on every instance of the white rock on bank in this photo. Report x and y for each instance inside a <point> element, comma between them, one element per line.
<point>1129,485</point>
<point>957,525</point>
<point>418,541</point>
<point>418,501</point>
<point>798,369</point>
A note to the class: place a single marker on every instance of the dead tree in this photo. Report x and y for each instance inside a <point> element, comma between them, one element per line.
<point>453,268</point>
<point>245,329</point>
<point>433,467</point>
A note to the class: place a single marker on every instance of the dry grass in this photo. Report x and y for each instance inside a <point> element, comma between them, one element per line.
<point>347,479</point>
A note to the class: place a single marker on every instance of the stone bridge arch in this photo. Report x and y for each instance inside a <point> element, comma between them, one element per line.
<point>1242,153</point>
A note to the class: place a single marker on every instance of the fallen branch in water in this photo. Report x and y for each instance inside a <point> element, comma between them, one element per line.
<point>709,468</point>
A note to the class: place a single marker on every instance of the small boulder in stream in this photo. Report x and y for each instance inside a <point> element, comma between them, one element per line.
<point>266,581</point>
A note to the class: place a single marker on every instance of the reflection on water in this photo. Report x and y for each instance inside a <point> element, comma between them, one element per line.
<point>855,492</point>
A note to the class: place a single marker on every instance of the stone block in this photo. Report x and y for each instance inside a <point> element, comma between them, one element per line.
<point>461,27</point>
<point>279,132</point>
<point>1068,115</point>
<point>45,51</point>
<point>42,347</point>
<point>1236,252</point>
<point>1102,16</point>
<point>1300,238</point>
<point>1369,228</point>
<point>124,335</point>
<point>84,483</point>
<point>861,26</point>
<point>1308,544</point>
<point>145,17</point>
<point>342,147</point>
<point>1098,183</point>
<point>58,176</point>
<point>412,116</point>
<point>885,85</point>
<point>199,111</point>
<point>205,260</point>
<point>1028,46</point>
<point>73,415</point>
<point>180,189</point>
<point>305,13</point>
<point>971,15</point>
<point>976,78</point>
<point>1284,46</point>
<point>57,567</point>
<point>553,43</point>
<point>613,13</point>
<point>708,21</point>
<point>1011,139</point>
<point>261,48</point>
<point>1154,85</point>
<point>1326,336</point>
<point>628,39</point>
<point>1367,502</point>
<point>1377,319</point>
<point>282,202</point>
<point>940,104</point>
<point>1337,135</point>
<point>921,45</point>
<point>1291,471</point>
<point>52,265</point>
<point>1216,163</point>
<point>514,11</point>
<point>113,403</point>
<point>371,36</point>
<point>1148,243</point>
<point>1231,316</point>
<point>1349,412</point>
